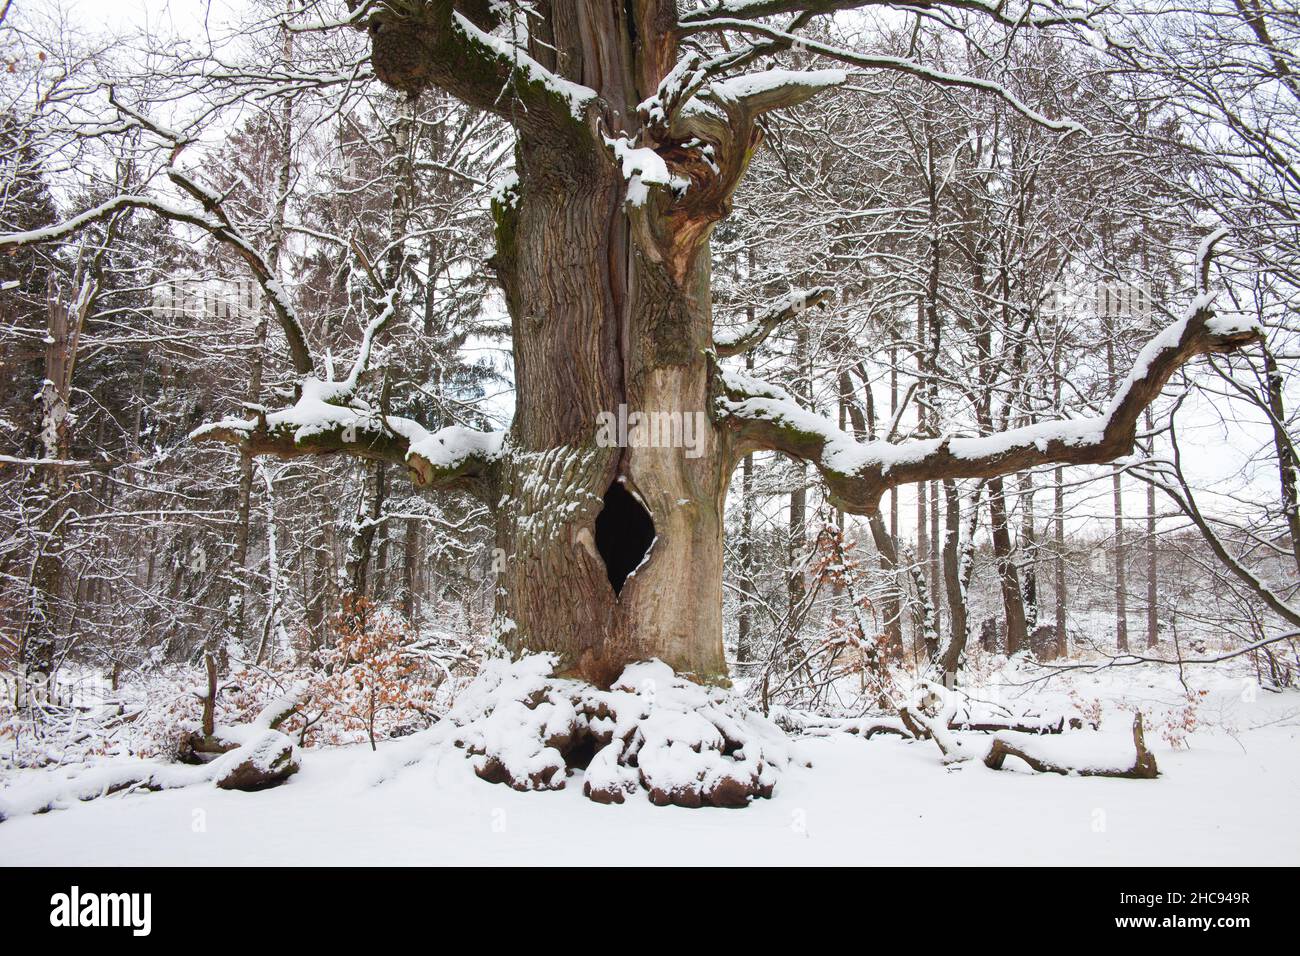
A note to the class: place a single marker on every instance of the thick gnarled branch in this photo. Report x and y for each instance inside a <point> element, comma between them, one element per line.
<point>328,420</point>
<point>417,45</point>
<point>857,474</point>
<point>687,163</point>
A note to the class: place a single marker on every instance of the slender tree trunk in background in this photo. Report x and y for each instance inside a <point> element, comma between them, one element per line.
<point>253,395</point>
<point>1029,548</point>
<point>370,508</point>
<point>1153,554</point>
<point>798,531</point>
<point>746,544</point>
<point>380,577</point>
<point>745,548</point>
<point>892,605</point>
<point>864,429</point>
<point>403,179</point>
<point>1004,556</point>
<point>413,536</point>
<point>893,413</point>
<point>208,720</point>
<point>36,648</point>
<point>934,329</point>
<point>922,488</point>
<point>1121,568</point>
<point>799,496</point>
<point>952,576</point>
<point>273,638</point>
<point>936,556</point>
<point>894,625</point>
<point>1282,447</point>
<point>838,585</point>
<point>1058,561</point>
<point>244,508</point>
<point>927,630</point>
<point>1058,500</point>
<point>410,555</point>
<point>320,575</point>
<point>1121,551</point>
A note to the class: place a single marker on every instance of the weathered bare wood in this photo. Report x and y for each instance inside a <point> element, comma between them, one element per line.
<point>1143,766</point>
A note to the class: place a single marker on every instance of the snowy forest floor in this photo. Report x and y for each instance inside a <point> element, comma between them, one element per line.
<point>1227,795</point>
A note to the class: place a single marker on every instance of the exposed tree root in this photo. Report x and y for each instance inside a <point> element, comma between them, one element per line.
<point>683,744</point>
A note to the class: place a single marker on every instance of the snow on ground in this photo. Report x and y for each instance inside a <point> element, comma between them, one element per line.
<point>1228,798</point>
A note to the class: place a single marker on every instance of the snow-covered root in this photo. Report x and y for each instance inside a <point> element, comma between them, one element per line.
<point>652,731</point>
<point>260,758</point>
<point>931,710</point>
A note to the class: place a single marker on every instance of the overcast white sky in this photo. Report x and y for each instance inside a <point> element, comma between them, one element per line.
<point>181,16</point>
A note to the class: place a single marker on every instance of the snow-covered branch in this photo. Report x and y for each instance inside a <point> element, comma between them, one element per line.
<point>212,221</point>
<point>859,473</point>
<point>328,418</point>
<point>899,65</point>
<point>1033,14</point>
<point>737,341</point>
<point>416,46</point>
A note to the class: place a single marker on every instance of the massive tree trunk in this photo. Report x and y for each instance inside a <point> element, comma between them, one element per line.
<point>614,554</point>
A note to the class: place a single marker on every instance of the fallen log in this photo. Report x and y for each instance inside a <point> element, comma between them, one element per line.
<point>1140,766</point>
<point>198,747</point>
<point>261,758</point>
<point>266,759</point>
<point>1020,726</point>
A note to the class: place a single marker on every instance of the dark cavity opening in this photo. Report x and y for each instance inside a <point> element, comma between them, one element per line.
<point>579,756</point>
<point>624,533</point>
